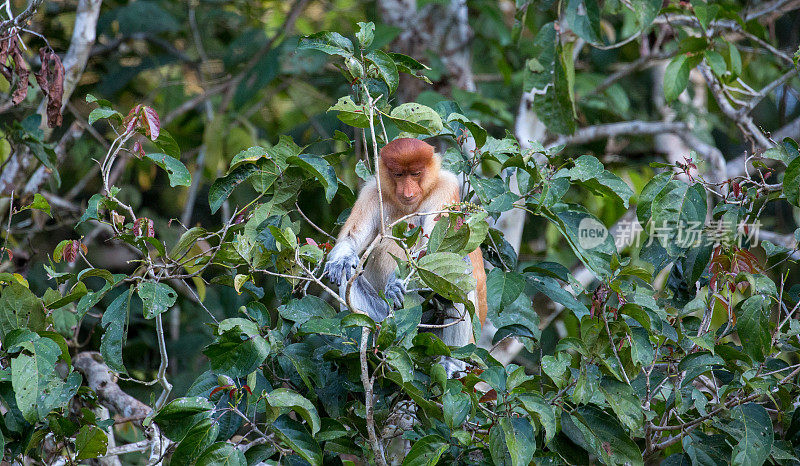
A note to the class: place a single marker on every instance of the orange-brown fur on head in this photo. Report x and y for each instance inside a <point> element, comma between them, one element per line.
<point>408,169</point>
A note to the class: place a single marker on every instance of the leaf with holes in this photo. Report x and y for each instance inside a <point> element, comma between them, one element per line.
<point>156,298</point>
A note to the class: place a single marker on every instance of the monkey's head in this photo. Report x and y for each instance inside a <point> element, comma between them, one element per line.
<point>408,169</point>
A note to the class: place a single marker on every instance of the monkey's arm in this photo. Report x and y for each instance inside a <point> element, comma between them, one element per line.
<point>358,231</point>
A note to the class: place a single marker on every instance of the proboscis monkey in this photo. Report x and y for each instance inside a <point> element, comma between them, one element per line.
<point>412,181</point>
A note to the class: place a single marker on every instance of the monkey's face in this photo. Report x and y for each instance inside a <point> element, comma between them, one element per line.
<point>407,186</point>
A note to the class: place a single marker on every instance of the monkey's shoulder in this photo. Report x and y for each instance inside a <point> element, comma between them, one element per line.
<point>447,182</point>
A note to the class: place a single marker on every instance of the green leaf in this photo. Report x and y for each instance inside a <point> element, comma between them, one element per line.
<point>589,172</point>
<point>90,442</point>
<point>320,169</point>
<point>296,437</point>
<point>400,360</point>
<point>716,61</point>
<point>101,113</point>
<point>303,309</point>
<point>114,321</point>
<point>386,68</point>
<point>752,326</point>
<point>197,440</point>
<point>447,274</point>
<point>583,17</point>
<point>735,60</point>
<point>706,450</point>
<point>607,438</point>
<point>222,454</point>
<point>520,439</point>
<point>756,435</point>
<point>366,33</point>
<point>791,182</point>
<point>416,119</point>
<point>536,404</point>
<point>350,113</point>
<point>222,188</point>
<point>426,451</point>
<point>176,417</point>
<point>625,404</point>
<point>285,398</point>
<point>235,353</point>
<point>20,308</point>
<point>77,292</point>
<point>156,298</point>
<point>594,250</point>
<point>455,408</point>
<point>503,288</point>
<point>167,144</point>
<point>331,43</point>
<point>679,210</point>
<point>546,77</point>
<point>177,172</point>
<point>186,241</point>
<point>676,76</point>
<point>39,203</point>
<point>32,372</point>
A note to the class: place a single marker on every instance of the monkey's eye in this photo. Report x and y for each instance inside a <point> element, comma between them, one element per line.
<point>416,173</point>
<point>398,175</point>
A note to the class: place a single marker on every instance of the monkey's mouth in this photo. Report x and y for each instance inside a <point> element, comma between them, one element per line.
<point>408,202</point>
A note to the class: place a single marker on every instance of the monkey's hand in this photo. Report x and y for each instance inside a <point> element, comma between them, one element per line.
<point>341,265</point>
<point>395,290</point>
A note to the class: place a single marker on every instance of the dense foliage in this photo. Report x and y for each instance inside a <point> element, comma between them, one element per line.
<point>179,242</point>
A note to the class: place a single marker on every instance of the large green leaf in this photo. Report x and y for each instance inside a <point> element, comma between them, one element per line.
<point>586,235</point>
<point>589,172</point>
<point>331,43</point>
<point>38,389</point>
<point>297,438</point>
<point>676,76</point>
<point>520,439</point>
<point>114,321</point>
<point>536,404</point>
<point>197,440</point>
<point>156,297</point>
<point>447,274</point>
<point>755,435</point>
<point>791,182</point>
<point>176,171</point>
<point>545,75</point>
<point>426,451</point>
<point>285,398</point>
<point>320,169</point>
<point>235,353</point>
<point>606,437</point>
<point>90,442</point>
<point>222,454</point>
<point>752,326</point>
<point>678,211</point>
<point>20,308</point>
<point>386,68</point>
<point>625,404</point>
<point>503,288</point>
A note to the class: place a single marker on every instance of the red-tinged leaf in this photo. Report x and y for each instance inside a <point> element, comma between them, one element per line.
<point>247,387</point>
<point>6,251</point>
<point>491,395</point>
<point>51,81</point>
<point>84,248</point>
<point>71,251</point>
<point>138,150</point>
<point>310,241</point>
<point>22,72</point>
<point>219,389</point>
<point>327,246</point>
<point>153,122</point>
